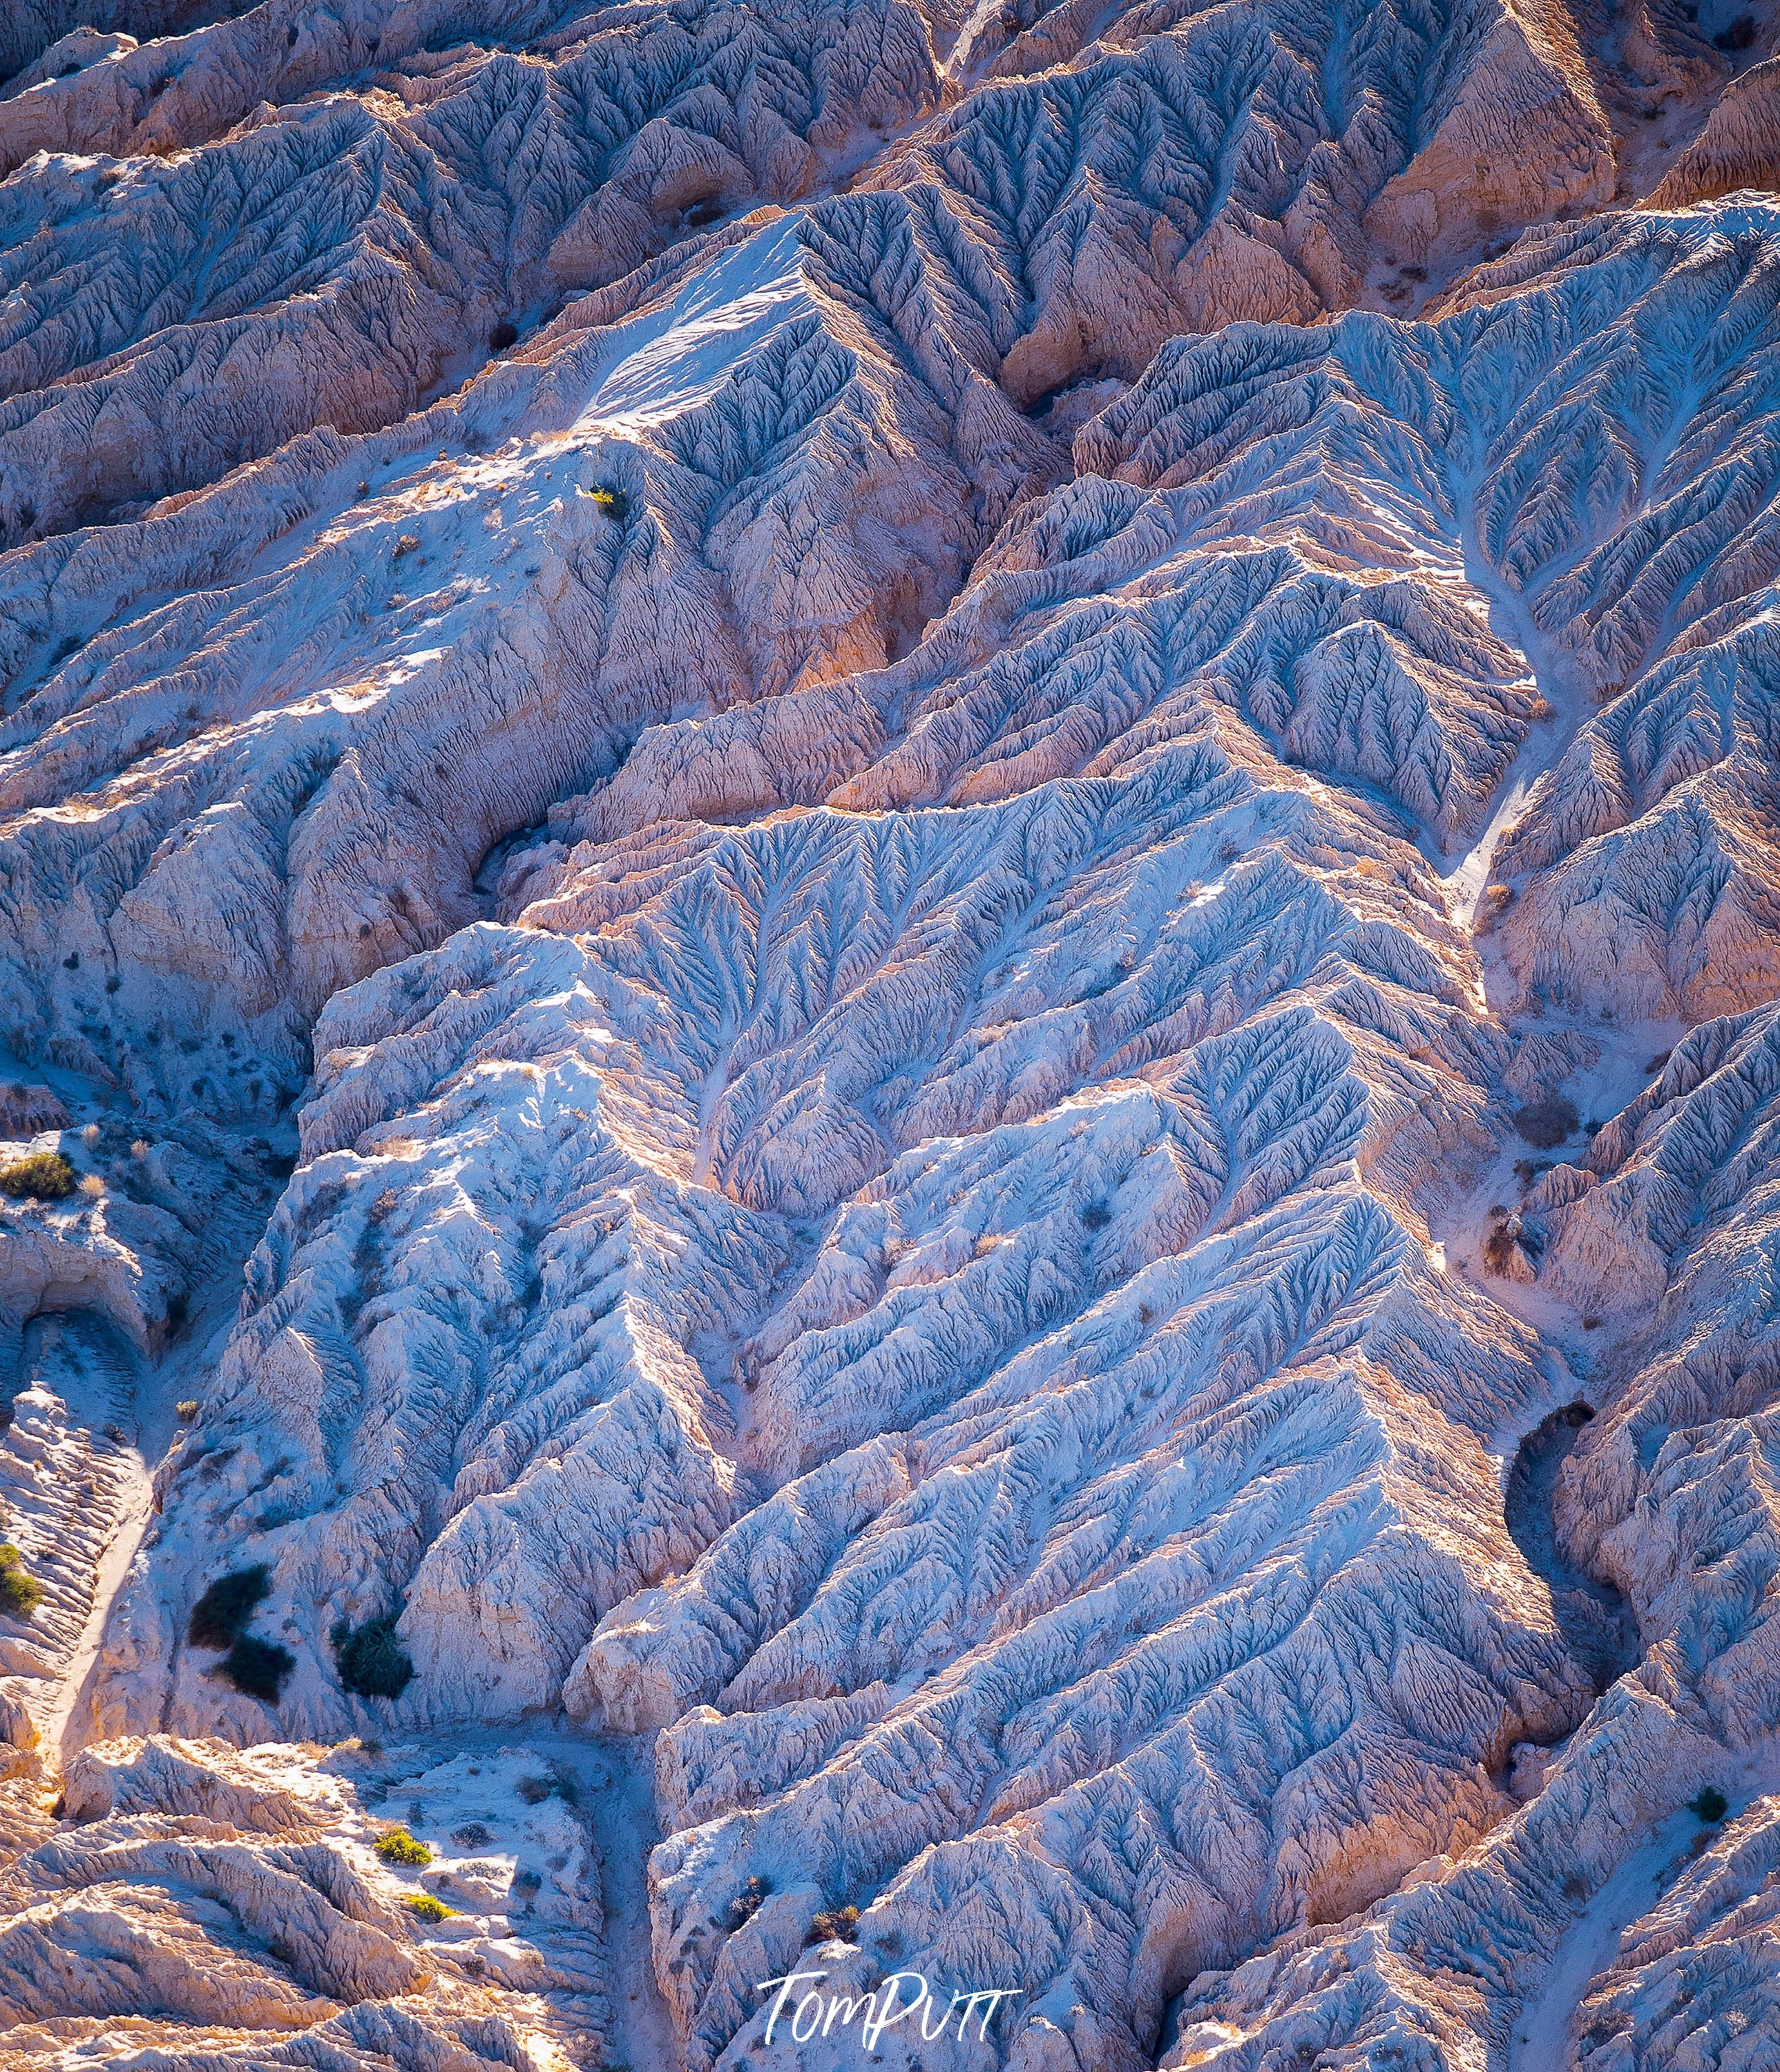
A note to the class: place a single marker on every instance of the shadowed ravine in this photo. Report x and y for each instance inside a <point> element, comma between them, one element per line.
<point>1591,1615</point>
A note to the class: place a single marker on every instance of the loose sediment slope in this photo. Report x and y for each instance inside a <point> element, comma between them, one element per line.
<point>917,802</point>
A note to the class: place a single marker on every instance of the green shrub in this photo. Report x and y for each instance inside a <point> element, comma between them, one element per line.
<point>836,1925</point>
<point>372,1661</point>
<point>20,1592</point>
<point>1710,1806</point>
<point>395,1845</point>
<point>613,501</point>
<point>187,1410</point>
<point>219,1617</point>
<point>44,1175</point>
<point>257,1668</point>
<point>424,1905</point>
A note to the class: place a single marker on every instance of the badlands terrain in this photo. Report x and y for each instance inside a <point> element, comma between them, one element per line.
<point>890,981</point>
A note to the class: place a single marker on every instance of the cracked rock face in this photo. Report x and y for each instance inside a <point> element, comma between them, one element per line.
<point>889,960</point>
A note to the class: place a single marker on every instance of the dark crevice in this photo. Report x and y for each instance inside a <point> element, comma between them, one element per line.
<point>1593,1618</point>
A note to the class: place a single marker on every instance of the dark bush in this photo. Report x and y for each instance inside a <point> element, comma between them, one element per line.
<point>20,1592</point>
<point>473,1835</point>
<point>1096,1215</point>
<point>502,336</point>
<point>1547,1122</point>
<point>533,1791</point>
<point>41,1174</point>
<point>1499,1249</point>
<point>836,1925</point>
<point>613,501</point>
<point>258,1668</point>
<point>219,1617</point>
<point>1710,1806</point>
<point>372,1661</point>
<point>747,1902</point>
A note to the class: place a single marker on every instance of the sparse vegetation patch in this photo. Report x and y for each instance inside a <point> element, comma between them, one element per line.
<point>221,1616</point>
<point>39,1175</point>
<point>258,1668</point>
<point>372,1661</point>
<point>20,1592</point>
<point>1547,1122</point>
<point>396,1846</point>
